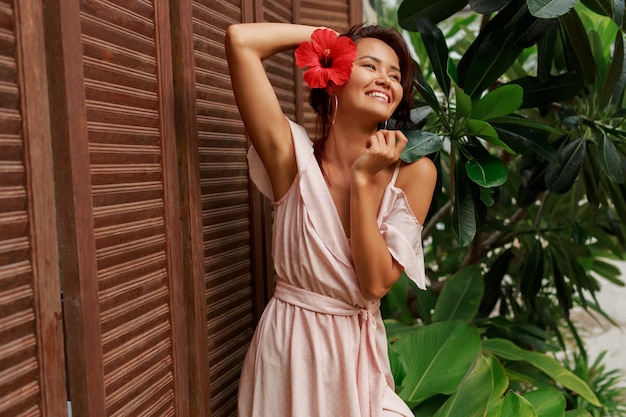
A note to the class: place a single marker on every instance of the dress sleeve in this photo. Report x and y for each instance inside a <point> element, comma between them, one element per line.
<point>403,234</point>
<point>304,152</point>
<point>258,174</point>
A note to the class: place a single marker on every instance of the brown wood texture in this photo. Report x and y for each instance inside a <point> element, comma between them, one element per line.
<point>224,190</point>
<point>191,206</point>
<point>124,187</point>
<point>31,340</point>
<point>118,199</point>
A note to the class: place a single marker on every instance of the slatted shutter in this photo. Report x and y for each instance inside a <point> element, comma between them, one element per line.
<point>117,193</point>
<point>226,213</point>
<point>31,345</point>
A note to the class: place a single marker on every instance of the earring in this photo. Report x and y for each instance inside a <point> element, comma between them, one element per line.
<point>332,122</point>
<point>385,127</point>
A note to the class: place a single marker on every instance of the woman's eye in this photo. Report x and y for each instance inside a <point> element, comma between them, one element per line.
<point>371,66</point>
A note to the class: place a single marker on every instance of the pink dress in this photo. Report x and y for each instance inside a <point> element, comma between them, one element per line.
<point>320,349</point>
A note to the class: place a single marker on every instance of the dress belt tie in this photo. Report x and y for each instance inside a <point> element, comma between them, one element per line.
<point>370,377</point>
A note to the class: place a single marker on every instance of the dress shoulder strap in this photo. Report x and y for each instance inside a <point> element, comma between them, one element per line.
<point>395,173</point>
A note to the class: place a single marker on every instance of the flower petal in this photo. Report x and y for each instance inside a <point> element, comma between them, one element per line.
<point>337,52</point>
<point>306,55</point>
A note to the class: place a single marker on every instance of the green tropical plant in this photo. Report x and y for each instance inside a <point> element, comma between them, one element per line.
<point>522,106</point>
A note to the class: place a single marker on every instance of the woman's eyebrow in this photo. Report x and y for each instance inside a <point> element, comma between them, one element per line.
<point>379,61</point>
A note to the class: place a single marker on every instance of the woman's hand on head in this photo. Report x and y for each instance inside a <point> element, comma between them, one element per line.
<point>382,149</point>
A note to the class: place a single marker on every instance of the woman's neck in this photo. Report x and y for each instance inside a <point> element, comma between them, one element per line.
<point>344,145</point>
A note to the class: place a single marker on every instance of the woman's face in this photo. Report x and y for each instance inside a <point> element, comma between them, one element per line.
<point>374,89</point>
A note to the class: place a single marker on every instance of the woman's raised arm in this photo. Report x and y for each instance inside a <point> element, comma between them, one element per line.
<point>247,45</point>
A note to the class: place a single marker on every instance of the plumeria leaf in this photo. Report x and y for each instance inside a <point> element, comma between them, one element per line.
<point>550,8</point>
<point>487,6</point>
<point>410,12</point>
<point>463,215</point>
<point>437,50</point>
<point>556,88</point>
<point>463,103</point>
<point>493,56</point>
<point>420,143</point>
<point>578,47</point>
<point>488,171</point>
<point>616,71</point>
<point>524,138</point>
<point>453,71</point>
<point>609,159</point>
<point>560,177</point>
<point>498,102</point>
<point>486,196</point>
<point>485,131</point>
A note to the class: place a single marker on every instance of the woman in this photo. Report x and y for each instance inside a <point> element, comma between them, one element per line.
<point>347,222</point>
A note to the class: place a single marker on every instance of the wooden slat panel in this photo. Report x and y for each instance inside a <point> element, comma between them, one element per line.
<point>224,189</point>
<point>112,70</point>
<point>31,347</point>
<point>123,91</point>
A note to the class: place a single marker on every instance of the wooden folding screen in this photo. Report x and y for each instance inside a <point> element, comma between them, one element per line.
<point>124,194</point>
<point>112,103</point>
<point>32,380</point>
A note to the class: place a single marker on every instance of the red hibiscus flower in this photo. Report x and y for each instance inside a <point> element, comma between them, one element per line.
<point>328,58</point>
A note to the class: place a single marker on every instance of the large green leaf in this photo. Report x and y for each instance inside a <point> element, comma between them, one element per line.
<point>494,55</point>
<point>426,91</point>
<point>460,296</point>
<point>498,102</point>
<point>485,131</point>
<point>487,6</point>
<point>488,171</point>
<point>516,405</point>
<point>550,8</point>
<point>560,177</point>
<point>436,358</point>
<point>493,282</point>
<point>530,29</point>
<point>609,159</point>
<point>550,366</point>
<point>545,53</point>
<point>471,397</point>
<point>577,413</point>
<point>502,22</point>
<point>435,44</point>
<point>556,88</point>
<point>547,402</point>
<point>463,103</point>
<point>463,215</point>
<point>500,383</point>
<point>410,11</point>
<point>420,143</point>
<point>532,274</point>
<point>605,8</point>
<point>578,48</point>
<point>617,70</point>
<point>524,138</point>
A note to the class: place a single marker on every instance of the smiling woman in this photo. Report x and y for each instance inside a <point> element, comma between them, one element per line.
<point>347,221</point>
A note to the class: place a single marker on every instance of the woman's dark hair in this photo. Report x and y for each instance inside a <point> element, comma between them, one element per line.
<point>321,101</point>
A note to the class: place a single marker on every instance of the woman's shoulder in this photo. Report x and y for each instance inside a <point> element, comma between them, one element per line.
<point>417,180</point>
<point>423,169</point>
